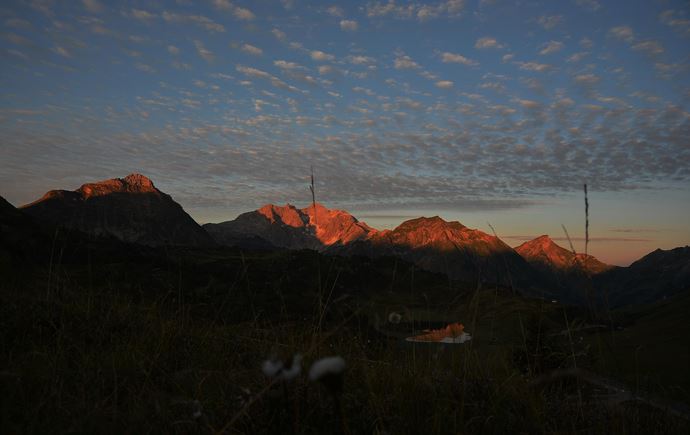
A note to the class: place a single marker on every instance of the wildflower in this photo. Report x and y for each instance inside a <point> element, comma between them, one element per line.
<point>329,371</point>
<point>275,368</point>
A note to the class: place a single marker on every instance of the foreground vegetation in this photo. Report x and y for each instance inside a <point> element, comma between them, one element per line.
<point>146,341</point>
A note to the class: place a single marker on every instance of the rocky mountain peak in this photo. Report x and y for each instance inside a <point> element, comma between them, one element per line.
<point>133,183</point>
<point>543,251</point>
<point>287,214</point>
<point>130,209</point>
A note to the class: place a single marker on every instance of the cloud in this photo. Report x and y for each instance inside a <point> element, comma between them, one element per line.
<point>326,69</point>
<point>447,57</point>
<point>198,20</point>
<point>365,91</point>
<point>320,56</point>
<point>403,61</point>
<point>587,79</point>
<point>142,15</point>
<point>623,33</point>
<point>349,25</point>
<point>500,162</point>
<point>62,51</point>
<point>536,131</point>
<point>146,68</point>
<point>260,74</point>
<point>335,11</point>
<point>668,70</point>
<point>238,12</point>
<point>528,104</point>
<point>253,72</point>
<point>361,60</point>
<point>382,9</point>
<point>548,22</point>
<point>576,57</point>
<point>487,42</point>
<point>283,64</point>
<point>533,66</point>
<point>248,48</point>
<point>243,14</point>
<point>676,20</point>
<point>551,47</point>
<point>203,52</point>
<point>649,47</point>
<point>421,12</point>
<point>222,4</point>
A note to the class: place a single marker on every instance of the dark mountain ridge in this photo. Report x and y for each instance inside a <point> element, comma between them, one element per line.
<point>658,275</point>
<point>130,209</point>
<point>134,211</point>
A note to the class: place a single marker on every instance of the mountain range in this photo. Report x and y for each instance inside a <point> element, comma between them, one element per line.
<point>313,227</point>
<point>133,210</point>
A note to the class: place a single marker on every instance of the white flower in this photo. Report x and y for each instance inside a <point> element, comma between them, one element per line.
<point>272,367</point>
<point>333,365</point>
<point>275,368</point>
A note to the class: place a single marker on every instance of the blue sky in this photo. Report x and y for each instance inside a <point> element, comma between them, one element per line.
<point>481,111</point>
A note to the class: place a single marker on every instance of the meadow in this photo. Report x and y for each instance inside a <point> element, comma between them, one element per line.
<point>125,339</point>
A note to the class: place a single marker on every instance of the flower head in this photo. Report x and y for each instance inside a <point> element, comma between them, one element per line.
<point>329,371</point>
<point>276,368</point>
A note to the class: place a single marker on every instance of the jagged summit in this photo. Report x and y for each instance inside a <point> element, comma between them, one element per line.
<point>431,226</point>
<point>442,235</point>
<point>544,253</point>
<point>543,240</point>
<point>312,227</point>
<point>132,183</point>
<point>287,214</point>
<point>131,209</point>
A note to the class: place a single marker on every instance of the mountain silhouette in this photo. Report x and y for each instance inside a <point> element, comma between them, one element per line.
<point>431,243</point>
<point>20,235</point>
<point>564,270</point>
<point>451,248</point>
<point>317,228</point>
<point>544,254</point>
<point>658,275</point>
<point>133,210</point>
<point>130,209</point>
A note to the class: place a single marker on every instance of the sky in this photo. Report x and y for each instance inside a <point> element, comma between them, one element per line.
<point>483,111</point>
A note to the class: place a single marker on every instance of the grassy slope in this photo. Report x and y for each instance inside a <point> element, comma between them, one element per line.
<point>652,351</point>
<point>141,342</point>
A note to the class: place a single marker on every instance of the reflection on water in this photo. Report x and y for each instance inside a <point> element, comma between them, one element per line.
<point>453,333</point>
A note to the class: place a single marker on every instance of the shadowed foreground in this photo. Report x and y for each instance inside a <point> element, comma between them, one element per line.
<point>143,340</point>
